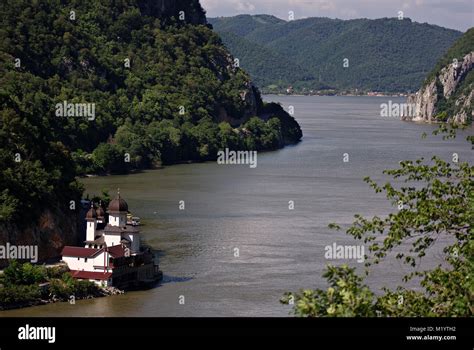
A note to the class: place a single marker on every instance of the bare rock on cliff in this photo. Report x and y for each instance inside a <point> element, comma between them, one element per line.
<point>425,103</point>
<point>452,75</point>
<point>53,230</point>
<point>441,91</point>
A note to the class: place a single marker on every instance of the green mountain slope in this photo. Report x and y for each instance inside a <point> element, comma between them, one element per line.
<point>243,25</point>
<point>384,55</point>
<point>269,68</point>
<point>162,88</point>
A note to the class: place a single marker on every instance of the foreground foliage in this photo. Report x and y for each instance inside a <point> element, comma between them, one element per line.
<point>436,202</point>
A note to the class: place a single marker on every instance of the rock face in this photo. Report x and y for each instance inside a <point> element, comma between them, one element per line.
<point>250,98</point>
<point>441,90</point>
<point>425,103</point>
<point>53,230</point>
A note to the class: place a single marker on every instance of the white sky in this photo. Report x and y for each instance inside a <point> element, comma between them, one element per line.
<point>456,14</point>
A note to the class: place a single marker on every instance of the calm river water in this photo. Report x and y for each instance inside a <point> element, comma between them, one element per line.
<point>232,206</point>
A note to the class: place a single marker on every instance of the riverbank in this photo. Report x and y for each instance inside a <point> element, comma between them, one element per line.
<point>26,285</point>
<point>232,206</point>
<point>104,292</point>
<point>339,93</point>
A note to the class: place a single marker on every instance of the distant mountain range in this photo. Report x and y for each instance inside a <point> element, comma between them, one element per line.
<point>387,55</point>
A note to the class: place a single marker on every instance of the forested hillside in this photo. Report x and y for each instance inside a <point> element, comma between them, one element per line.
<point>160,84</point>
<point>387,54</point>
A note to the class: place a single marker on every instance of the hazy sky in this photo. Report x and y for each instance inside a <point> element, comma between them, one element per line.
<point>456,14</point>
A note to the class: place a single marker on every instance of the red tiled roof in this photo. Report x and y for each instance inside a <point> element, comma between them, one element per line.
<point>89,275</point>
<point>117,251</point>
<point>79,252</point>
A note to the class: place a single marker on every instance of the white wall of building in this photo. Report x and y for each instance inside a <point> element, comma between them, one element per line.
<point>112,239</point>
<point>87,264</point>
<point>74,263</point>
<point>117,219</point>
<point>91,229</point>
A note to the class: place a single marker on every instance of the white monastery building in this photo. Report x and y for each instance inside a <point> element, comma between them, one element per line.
<point>112,254</point>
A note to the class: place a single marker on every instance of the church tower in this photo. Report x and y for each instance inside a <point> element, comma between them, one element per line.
<point>91,218</point>
<point>118,210</point>
<point>100,214</point>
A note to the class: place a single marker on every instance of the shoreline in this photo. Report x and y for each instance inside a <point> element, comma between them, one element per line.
<point>184,162</point>
<point>103,292</point>
<point>337,95</point>
<point>52,287</point>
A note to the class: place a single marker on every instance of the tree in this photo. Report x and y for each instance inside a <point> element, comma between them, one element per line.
<point>228,137</point>
<point>319,45</point>
<point>436,200</point>
<point>159,88</point>
<point>23,274</point>
<point>107,158</point>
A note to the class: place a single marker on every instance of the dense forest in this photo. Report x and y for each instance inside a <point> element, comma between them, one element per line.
<point>387,55</point>
<point>162,88</point>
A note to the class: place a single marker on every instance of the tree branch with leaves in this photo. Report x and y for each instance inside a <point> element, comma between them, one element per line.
<point>435,200</point>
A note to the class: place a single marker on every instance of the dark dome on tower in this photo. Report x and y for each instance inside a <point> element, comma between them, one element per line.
<point>100,211</point>
<point>91,214</point>
<point>118,205</point>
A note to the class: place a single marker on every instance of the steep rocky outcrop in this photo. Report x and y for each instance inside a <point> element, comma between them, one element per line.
<point>424,100</point>
<point>50,233</point>
<point>447,94</point>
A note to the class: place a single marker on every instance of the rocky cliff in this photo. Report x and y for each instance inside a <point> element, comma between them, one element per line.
<point>50,233</point>
<point>447,94</point>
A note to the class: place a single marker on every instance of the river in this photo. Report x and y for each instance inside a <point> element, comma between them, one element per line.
<point>235,206</point>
